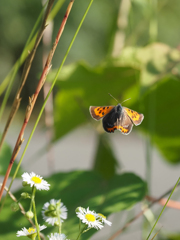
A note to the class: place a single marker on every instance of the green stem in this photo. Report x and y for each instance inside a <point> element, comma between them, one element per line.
<point>80,232</point>
<point>34,210</point>
<point>11,76</point>
<point>42,109</point>
<point>30,208</point>
<point>79,224</point>
<point>33,237</point>
<point>163,208</point>
<point>58,215</point>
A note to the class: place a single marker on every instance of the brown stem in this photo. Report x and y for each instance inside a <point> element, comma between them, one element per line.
<point>162,201</point>
<point>32,99</point>
<point>21,208</point>
<point>140,214</point>
<point>25,73</point>
<point>48,110</point>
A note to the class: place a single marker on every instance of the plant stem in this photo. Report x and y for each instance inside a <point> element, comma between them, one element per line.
<point>58,215</point>
<point>42,109</point>
<point>34,210</point>
<point>139,214</point>
<point>27,67</point>
<point>79,235</point>
<point>163,208</point>
<point>32,100</point>
<point>48,111</point>
<point>24,55</point>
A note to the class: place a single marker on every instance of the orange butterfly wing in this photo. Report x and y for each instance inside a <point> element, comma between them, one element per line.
<point>134,116</point>
<point>120,128</point>
<point>99,112</point>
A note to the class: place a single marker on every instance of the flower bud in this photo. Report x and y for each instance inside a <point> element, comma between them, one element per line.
<point>14,206</point>
<point>51,211</point>
<point>78,209</point>
<point>29,214</point>
<point>56,224</point>
<point>25,195</point>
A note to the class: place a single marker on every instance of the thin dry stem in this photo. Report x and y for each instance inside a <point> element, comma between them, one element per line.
<point>21,208</point>
<point>32,99</point>
<point>25,73</point>
<point>48,110</point>
<point>162,201</point>
<point>140,214</point>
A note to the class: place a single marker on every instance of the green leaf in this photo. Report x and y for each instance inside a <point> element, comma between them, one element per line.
<point>159,95</point>
<point>161,110</point>
<point>5,156</point>
<point>105,162</point>
<point>81,86</point>
<point>78,188</point>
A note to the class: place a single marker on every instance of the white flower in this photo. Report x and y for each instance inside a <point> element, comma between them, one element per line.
<point>90,218</point>
<point>29,231</point>
<point>57,236</point>
<point>51,209</point>
<point>103,219</point>
<point>35,180</point>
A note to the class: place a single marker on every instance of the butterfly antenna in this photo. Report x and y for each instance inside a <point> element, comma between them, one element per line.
<point>126,100</point>
<point>113,97</point>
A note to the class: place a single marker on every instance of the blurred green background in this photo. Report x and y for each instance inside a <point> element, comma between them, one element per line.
<point>127,48</point>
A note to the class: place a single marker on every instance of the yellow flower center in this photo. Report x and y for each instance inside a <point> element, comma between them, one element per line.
<point>90,217</point>
<point>36,179</point>
<point>31,230</point>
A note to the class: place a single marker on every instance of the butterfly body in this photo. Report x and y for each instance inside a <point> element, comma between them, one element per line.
<point>116,118</point>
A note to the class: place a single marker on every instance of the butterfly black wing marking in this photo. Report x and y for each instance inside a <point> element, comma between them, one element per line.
<point>109,120</point>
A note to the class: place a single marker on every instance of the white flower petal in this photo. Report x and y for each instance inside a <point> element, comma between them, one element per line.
<point>107,222</point>
<point>25,232</point>
<point>57,236</point>
<point>95,223</point>
<point>41,185</point>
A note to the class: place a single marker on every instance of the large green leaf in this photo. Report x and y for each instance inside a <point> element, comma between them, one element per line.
<point>81,86</point>
<point>79,188</point>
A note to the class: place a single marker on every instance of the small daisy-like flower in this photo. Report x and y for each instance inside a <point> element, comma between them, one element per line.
<point>90,218</point>
<point>103,219</point>
<point>30,231</point>
<point>51,209</point>
<point>57,236</point>
<point>35,180</point>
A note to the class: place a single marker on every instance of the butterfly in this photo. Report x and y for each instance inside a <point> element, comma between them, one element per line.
<point>116,118</point>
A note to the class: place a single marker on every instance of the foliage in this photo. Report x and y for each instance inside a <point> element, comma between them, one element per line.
<point>81,86</point>
<point>80,188</point>
<point>147,71</point>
